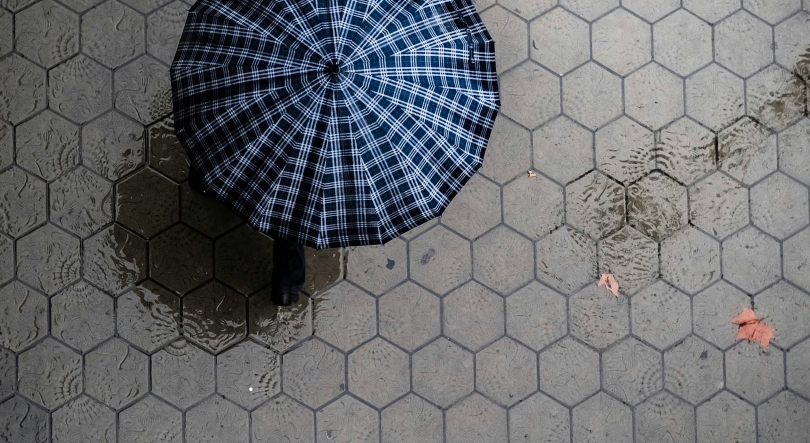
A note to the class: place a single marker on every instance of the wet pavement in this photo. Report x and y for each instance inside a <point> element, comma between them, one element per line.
<point>671,145</point>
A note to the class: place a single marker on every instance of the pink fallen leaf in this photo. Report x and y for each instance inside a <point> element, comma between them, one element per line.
<point>752,328</point>
<point>609,282</point>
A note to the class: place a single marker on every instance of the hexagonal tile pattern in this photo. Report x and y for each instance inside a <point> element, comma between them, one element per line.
<point>147,202</point>
<point>569,371</point>
<point>772,12</point>
<point>595,204</point>
<point>797,257</point>
<point>476,418</point>
<point>719,205</point>
<point>621,42</point>
<point>47,145</point>
<point>116,373</point>
<point>776,97</point>
<point>589,9</point>
<point>8,373</point>
<point>602,418</point>
<point>148,316</point>
<point>530,94</point>
<point>442,372</point>
<point>344,316</point>
<point>509,33</point>
<point>685,151</point>
<point>651,10</point>
<point>204,214</point>
<point>378,268</point>
<point>113,34</point>
<point>792,40</point>
<point>631,257</point>
<point>508,151</point>
<point>440,260</point>
<point>657,206</point>
<point>779,206</point>
<point>49,373</point>
<point>22,201</point>
<point>421,228</point>
<point>48,259</point>
<point>80,77</point>
<point>559,41</point>
<point>474,210</point>
<point>81,5</point>
<point>536,316</point>
<point>283,418</point>
<point>682,42</point>
<point>661,315</point>
<point>592,95</point>
<point>747,151</point>
<point>712,309</point>
<point>143,90</point>
<point>794,151</point>
<point>166,154</point>
<point>537,418</point>
<point>163,31</point>
<point>751,260</point>
<point>6,259</point>
<point>528,9</point>
<point>82,316</point>
<point>22,88</point>
<point>783,418</point>
<point>742,43</point>
<point>690,260</point>
<point>181,259</point>
<point>412,420</point>
<point>151,420</point>
<point>313,373</point>
<point>596,319</point>
<point>84,419</point>
<point>81,202</point>
<point>6,36</point>
<point>47,33</point>
<point>145,6</point>
<point>114,259</point>
<point>113,145</point>
<point>214,316</point>
<point>23,422</point>
<point>753,373</point>
<point>182,373</point>
<point>23,315</point>
<point>653,96</point>
<point>347,420</point>
<point>787,308</point>
<point>798,368</point>
<point>693,370</point>
<point>625,150</point>
<point>248,374</point>
<point>379,372</point>
<point>566,260</point>
<point>715,97</point>
<point>6,145</point>
<point>502,259</point>
<point>473,316</point>
<point>244,259</point>
<point>505,372</point>
<point>713,11</point>
<point>217,419</point>
<point>631,371</point>
<point>281,327</point>
<point>409,316</point>
<point>533,206</point>
<point>665,417</point>
<point>726,418</point>
<point>563,150</point>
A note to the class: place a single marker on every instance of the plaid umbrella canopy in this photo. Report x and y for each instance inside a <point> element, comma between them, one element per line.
<point>334,122</point>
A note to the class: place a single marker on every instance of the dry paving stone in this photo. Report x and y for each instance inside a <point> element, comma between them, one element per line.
<point>214,316</point>
<point>48,259</point>
<point>281,327</point>
<point>690,260</point>
<point>148,316</point>
<point>794,151</point>
<point>113,145</point>
<point>409,316</point>
<point>792,41</point>
<point>685,150</point>
<point>420,229</point>
<point>6,145</point>
<point>46,33</point>
<point>506,372</point>
<point>85,420</point>
<point>244,259</point>
<point>476,419</point>
<point>440,260</point>
<point>204,214</point>
<point>533,206</point>
<point>772,11</point>
<point>528,9</point>
<point>344,316</point>
<point>589,9</point>
<point>379,372</point>
<point>112,33</point>
<point>776,97</point>
<point>664,418</point>
<point>412,420</point>
<point>631,371</point>
<point>787,309</point>
<point>654,96</point>
<point>217,420</point>
<point>182,373</point>
<point>145,6</point>
<point>49,373</point>
<point>625,150</point>
<point>114,259</point>
<point>146,202</point>
<point>719,205</point>
<point>143,90</point>
<point>503,259</point>
<point>682,42</point>
<point>22,88</point>
<point>560,41</point>
<point>313,373</point>
<point>754,373</point>
<point>82,316</point>
<point>621,42</point>
<point>661,315</point>
<point>475,209</point>
<point>563,150</point>
<point>712,309</point>
<point>23,316</point>
<point>508,152</point>
<point>747,151</point>
<point>47,145</point>
<point>442,372</point>
<point>597,317</point>
<point>600,419</point>
<point>595,204</point>
<point>530,94</point>
<point>569,371</point>
<point>651,10</point>
<point>8,373</point>
<point>592,95</point>
<point>536,316</point>
<point>166,154</point>
<point>164,28</point>
<point>509,33</point>
<point>473,316</point>
<point>715,97</point>
<point>346,420</point>
<point>6,259</point>
<point>150,420</point>
<point>779,206</point>
<point>282,419</point>
<point>751,260</point>
<point>742,43</point>
<point>248,374</point>
<point>693,370</point>
<point>783,419</point>
<point>712,11</point>
<point>378,268</point>
<point>726,418</point>
<point>116,373</point>
<point>798,368</point>
<point>22,201</point>
<point>81,202</point>
<point>22,422</point>
<point>631,257</point>
<point>566,260</point>
<point>539,419</point>
<point>657,206</point>
<point>181,259</point>
<point>796,251</point>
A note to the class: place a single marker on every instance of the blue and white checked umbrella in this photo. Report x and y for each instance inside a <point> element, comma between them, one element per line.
<point>334,122</point>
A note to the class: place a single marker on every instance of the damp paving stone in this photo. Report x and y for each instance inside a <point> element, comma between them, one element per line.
<point>661,315</point>
<point>715,97</point>
<point>654,96</point>
<point>143,90</point>
<point>528,9</point>
<point>114,259</point>
<point>46,33</point>
<point>409,316</point>
<point>475,209</point>
<point>598,318</point>
<point>440,260</point>
<point>631,257</point>
<point>783,418</point>
<point>621,42</point>
<point>82,77</point>
<point>539,418</point>
<point>378,268</point>
<point>625,150</point>
<point>693,370</point>
<point>475,418</point>
<point>48,259</point>
<point>772,12</point>
<point>346,420</point>
<point>82,316</point>
<point>163,30</point>
<point>151,421</point>
<point>22,88</point>
<point>147,202</point>
<point>244,259</point>
<point>506,372</point>
<point>113,34</point>
<point>530,94</point>
<point>81,202</point>
<point>566,260</point>
<point>726,418</point>
<point>412,420</point>
<point>509,33</point>
<point>344,316</point>
<point>602,418</point>
<point>379,372</point>
<point>563,150</point>
<point>248,374</point>
<point>713,11</point>
<point>47,145</point>
<point>719,205</point>
<point>751,260</point>
<point>796,252</point>
<point>84,419</point>
<point>754,373</point>
<point>8,373</point>
<point>713,307</point>
<point>214,316</point>
<point>181,259</point>
<point>23,316</point>
<point>116,373</point>
<point>6,35</point>
<point>503,259</point>
<point>473,316</point>
<point>792,42</point>
<point>442,372</point>
<point>779,206</point>
<point>747,151</point>
<point>217,420</point>
<point>282,419</point>
<point>508,152</point>
<point>536,316</point>
<point>682,42</point>
<point>664,417</point>
<point>166,154</point>
<point>22,201</point>
<point>22,422</point>
<point>776,97</point>
<point>313,373</point>
<point>6,145</point>
<point>685,151</point>
<point>794,151</point>
<point>6,259</point>
<point>797,363</point>
<point>690,260</point>
<point>113,145</point>
<point>569,371</point>
<point>631,371</point>
<point>589,9</point>
<point>742,43</point>
<point>595,204</point>
<point>323,267</point>
<point>145,6</point>
<point>592,95</point>
<point>787,309</point>
<point>534,206</point>
<point>657,206</point>
<point>148,316</point>
<point>280,327</point>
<point>49,373</point>
<point>182,373</point>
<point>559,41</point>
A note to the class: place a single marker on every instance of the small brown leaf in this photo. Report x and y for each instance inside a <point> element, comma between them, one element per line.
<point>753,329</point>
<point>531,174</point>
<point>609,282</point>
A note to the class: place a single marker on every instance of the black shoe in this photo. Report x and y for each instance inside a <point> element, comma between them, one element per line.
<point>281,298</point>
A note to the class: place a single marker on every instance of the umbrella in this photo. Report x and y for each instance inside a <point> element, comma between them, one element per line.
<point>334,122</point>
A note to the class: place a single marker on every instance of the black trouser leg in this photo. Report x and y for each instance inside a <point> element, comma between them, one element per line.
<point>289,267</point>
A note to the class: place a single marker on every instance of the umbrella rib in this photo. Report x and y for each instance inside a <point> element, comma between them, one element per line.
<point>373,39</point>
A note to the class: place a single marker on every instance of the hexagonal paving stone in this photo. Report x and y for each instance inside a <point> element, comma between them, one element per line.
<point>6,259</point>
<point>569,371</point>
<point>719,205</point>
<point>244,259</point>
<point>794,151</point>
<point>798,368</point>
<point>476,418</point>
<point>712,11</point>
<point>442,372</point>
<point>621,42</point>
<point>654,96</point>
<point>313,373</point>
<point>47,33</point>
<point>49,373</point>
<point>563,150</point>
<point>80,5</point>
<point>283,418</point>
<point>473,316</point>
<point>248,374</point>
<point>690,260</point>
<point>166,154</point>
<point>772,11</point>
<point>6,145</point>
<point>503,260</point>
<point>651,10</point>
<point>378,268</point>
<point>754,373</point>
<point>164,29</point>
<point>344,316</point>
<point>597,319</point>
<point>715,97</point>
<point>23,315</point>
<point>539,418</point>
<point>776,97</point>
<point>379,372</point>
<point>661,315</point>
<point>747,151</point>
<point>506,372</point>
<point>82,316</point>
<point>425,226</point>
<point>625,150</point>
<point>412,420</point>
<point>114,259</point>
<point>181,259</point>
<point>116,373</point>
<point>48,259</point>
<point>533,206</point>
<point>22,201</point>
<point>151,420</point>
<point>80,77</point>
<point>657,206</point>
<point>779,206</point>
<point>783,418</point>
<point>536,316</point>
<point>693,370</point>
<point>81,202</point>
<point>47,145</point>
<point>796,252</point>
<point>595,204</point>
<point>631,371</point>
<point>602,418</point>
<point>204,214</point>
<point>559,40</point>
<point>566,260</point>
<point>509,33</point>
<point>682,42</point>
<point>592,95</point>
<point>631,257</point>
<point>113,145</point>
<point>475,209</point>
<point>685,150</point>
<point>589,9</point>
<point>751,260</point>
<point>19,421</point>
<point>787,309</point>
<point>6,35</point>
<point>531,95</point>
<point>148,316</point>
<point>144,103</point>
<point>409,316</point>
<point>712,309</point>
<point>147,202</point>
<point>281,327</point>
<point>214,316</point>
<point>22,86</point>
<point>792,41</point>
<point>113,34</point>
<point>726,418</point>
<point>743,44</point>
<point>182,373</point>
<point>217,419</point>
<point>528,9</point>
<point>346,421</point>
<point>8,373</point>
<point>665,417</point>
<point>84,419</point>
<point>440,260</point>
<point>508,151</point>
<point>145,6</point>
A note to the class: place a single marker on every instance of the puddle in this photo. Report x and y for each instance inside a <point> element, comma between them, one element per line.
<point>280,326</point>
